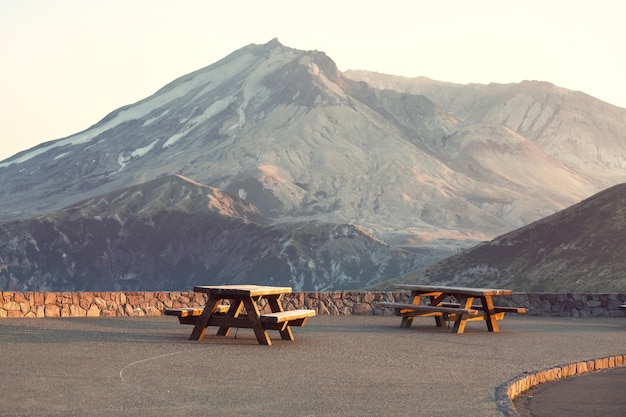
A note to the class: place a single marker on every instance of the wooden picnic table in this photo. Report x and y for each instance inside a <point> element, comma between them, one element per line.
<point>227,316</point>
<point>451,304</point>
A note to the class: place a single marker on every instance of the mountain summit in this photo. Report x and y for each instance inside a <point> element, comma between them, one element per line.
<point>413,162</point>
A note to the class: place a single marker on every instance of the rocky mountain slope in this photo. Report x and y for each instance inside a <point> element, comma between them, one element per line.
<point>572,128</point>
<point>173,233</point>
<point>416,164</point>
<point>579,249</point>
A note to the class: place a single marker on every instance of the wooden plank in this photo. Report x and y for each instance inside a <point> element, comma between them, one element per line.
<point>516,310</point>
<point>427,308</point>
<point>242,290</point>
<point>622,307</point>
<point>283,328</point>
<point>475,292</point>
<point>203,319</point>
<point>481,316</point>
<point>289,315</point>
<point>497,309</point>
<point>192,311</point>
<point>492,323</point>
<point>255,321</point>
<point>224,321</point>
<point>183,312</point>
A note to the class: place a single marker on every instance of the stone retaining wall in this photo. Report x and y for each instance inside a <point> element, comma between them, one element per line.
<point>93,304</point>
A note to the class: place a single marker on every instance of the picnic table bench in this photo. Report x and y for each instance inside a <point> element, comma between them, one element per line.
<point>227,316</point>
<point>189,315</point>
<point>443,310</point>
<point>622,307</point>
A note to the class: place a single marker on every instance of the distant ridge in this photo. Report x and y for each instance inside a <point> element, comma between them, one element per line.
<point>580,249</point>
<point>173,233</point>
<point>171,193</point>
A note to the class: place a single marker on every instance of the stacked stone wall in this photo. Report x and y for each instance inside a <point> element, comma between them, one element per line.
<point>110,304</point>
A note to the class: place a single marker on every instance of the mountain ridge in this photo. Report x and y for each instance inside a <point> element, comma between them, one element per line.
<point>533,108</point>
<point>579,249</point>
<point>172,233</point>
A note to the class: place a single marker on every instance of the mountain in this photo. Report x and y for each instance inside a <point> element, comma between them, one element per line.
<point>579,249</point>
<point>572,128</point>
<point>173,233</point>
<point>287,131</point>
<point>425,166</point>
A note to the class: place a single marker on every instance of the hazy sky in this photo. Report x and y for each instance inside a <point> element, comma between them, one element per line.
<point>65,64</point>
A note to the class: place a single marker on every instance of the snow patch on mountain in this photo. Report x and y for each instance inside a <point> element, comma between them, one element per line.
<point>151,120</point>
<point>61,155</point>
<point>138,153</point>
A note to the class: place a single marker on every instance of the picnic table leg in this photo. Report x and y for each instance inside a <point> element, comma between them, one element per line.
<point>276,306</point>
<point>233,311</point>
<point>255,321</point>
<point>440,321</point>
<point>490,315</point>
<point>461,319</point>
<point>203,320</point>
<point>408,321</point>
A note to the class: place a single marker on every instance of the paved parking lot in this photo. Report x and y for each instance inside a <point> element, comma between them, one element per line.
<point>337,366</point>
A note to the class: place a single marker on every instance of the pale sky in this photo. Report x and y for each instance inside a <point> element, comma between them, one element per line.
<point>66,64</point>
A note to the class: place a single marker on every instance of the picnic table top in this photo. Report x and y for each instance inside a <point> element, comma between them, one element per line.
<point>242,290</point>
<point>469,291</point>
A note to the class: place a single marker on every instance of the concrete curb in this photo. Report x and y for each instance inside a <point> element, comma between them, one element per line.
<point>509,390</point>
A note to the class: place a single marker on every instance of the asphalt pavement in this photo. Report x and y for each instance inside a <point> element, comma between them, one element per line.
<point>336,366</point>
<point>601,393</point>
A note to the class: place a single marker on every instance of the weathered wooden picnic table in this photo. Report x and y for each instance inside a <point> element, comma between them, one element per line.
<point>448,304</point>
<point>242,297</point>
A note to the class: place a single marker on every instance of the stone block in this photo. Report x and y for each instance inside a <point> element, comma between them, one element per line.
<point>51,310</point>
<point>135,299</point>
<point>20,297</point>
<point>100,302</point>
<point>128,309</point>
<point>93,311</point>
<point>84,303</point>
<point>77,311</point>
<point>38,299</point>
<point>24,306</point>
<point>154,312</point>
<point>50,298</point>
<point>121,298</point>
<point>12,306</point>
<point>362,308</point>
